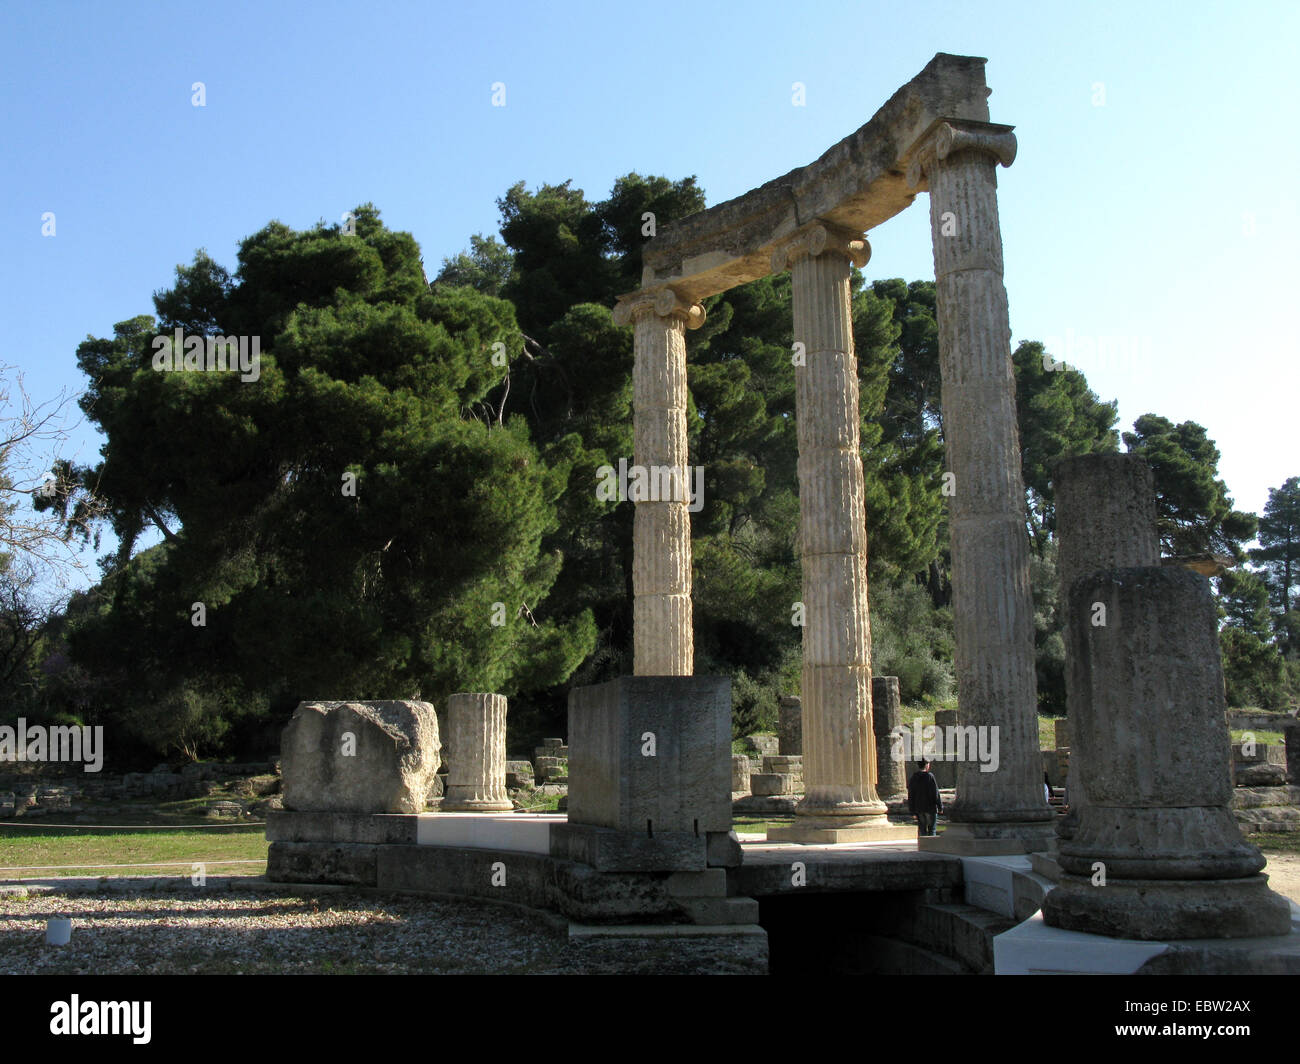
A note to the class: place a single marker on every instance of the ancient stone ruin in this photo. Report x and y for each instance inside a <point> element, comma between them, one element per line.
<point>647,839</point>
<point>933,135</point>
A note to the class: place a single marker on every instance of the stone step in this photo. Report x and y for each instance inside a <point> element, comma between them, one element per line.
<point>961,932</point>
<point>721,910</point>
<point>1046,865</point>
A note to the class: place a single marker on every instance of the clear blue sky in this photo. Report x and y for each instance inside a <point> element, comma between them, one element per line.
<point>1153,203</point>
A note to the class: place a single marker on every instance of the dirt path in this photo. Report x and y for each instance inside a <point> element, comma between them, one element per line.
<point>1283,871</point>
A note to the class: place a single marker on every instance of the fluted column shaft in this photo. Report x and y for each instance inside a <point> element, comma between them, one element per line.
<point>662,633</point>
<point>476,763</point>
<point>839,756</point>
<point>992,604</point>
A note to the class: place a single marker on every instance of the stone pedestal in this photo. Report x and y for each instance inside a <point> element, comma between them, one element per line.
<point>1151,729</point>
<point>992,604</point>
<point>839,756</point>
<point>649,772</point>
<point>790,725</point>
<point>662,635</point>
<point>1105,519</point>
<point>886,718</point>
<point>476,778</point>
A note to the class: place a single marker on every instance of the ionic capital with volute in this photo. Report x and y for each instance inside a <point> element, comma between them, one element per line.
<point>662,301</point>
<point>948,136</point>
<point>818,238</point>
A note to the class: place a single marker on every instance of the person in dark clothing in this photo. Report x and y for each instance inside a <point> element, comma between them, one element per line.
<point>923,800</point>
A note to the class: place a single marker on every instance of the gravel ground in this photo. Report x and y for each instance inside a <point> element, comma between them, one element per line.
<point>244,927</point>
<point>269,932</point>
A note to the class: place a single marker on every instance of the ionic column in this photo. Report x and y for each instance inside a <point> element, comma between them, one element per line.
<point>1105,519</point>
<point>476,762</point>
<point>839,756</point>
<point>1002,810</point>
<point>662,635</point>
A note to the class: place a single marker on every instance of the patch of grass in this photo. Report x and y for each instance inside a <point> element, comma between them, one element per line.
<point>76,851</point>
<point>541,803</point>
<point>1288,843</point>
<point>1262,738</point>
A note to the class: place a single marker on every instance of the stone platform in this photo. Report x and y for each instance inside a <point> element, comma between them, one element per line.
<point>1034,948</point>
<point>818,831</point>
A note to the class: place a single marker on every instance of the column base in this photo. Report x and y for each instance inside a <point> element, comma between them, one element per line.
<point>828,830</point>
<point>1152,909</point>
<point>823,807</point>
<point>452,804</point>
<point>990,840</point>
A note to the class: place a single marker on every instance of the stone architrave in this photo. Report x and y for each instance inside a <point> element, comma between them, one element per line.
<point>1105,519</point>
<point>662,633</point>
<point>839,756</point>
<point>1157,853</point>
<point>360,757</point>
<point>1002,811</point>
<point>476,778</point>
<point>886,720</point>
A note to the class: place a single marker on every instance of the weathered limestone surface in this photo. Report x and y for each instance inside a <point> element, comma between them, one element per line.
<point>992,604</point>
<point>784,763</point>
<point>839,756</point>
<point>651,755</point>
<point>760,745</point>
<point>766,784</point>
<point>476,778</point>
<point>1151,730</point>
<point>1262,766</point>
<point>886,716</point>
<point>790,725</point>
<point>1106,519</point>
<point>741,769</point>
<point>857,184</point>
<point>662,633</point>
<point>360,757</point>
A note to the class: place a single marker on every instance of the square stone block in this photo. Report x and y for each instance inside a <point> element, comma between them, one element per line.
<point>651,755</point>
<point>763,784</point>
<point>610,850</point>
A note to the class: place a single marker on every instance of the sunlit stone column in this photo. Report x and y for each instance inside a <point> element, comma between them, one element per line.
<point>839,755</point>
<point>476,762</point>
<point>662,635</point>
<point>1105,519</point>
<point>1001,811</point>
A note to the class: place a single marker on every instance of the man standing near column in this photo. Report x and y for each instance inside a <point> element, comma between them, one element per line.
<point>993,610</point>
<point>924,801</point>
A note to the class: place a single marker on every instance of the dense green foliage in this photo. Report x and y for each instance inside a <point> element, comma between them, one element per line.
<point>470,415</point>
<point>351,522</point>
